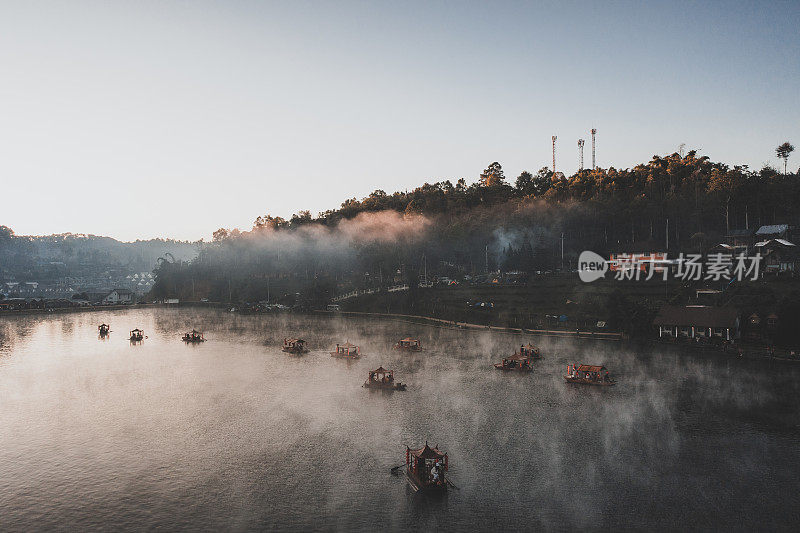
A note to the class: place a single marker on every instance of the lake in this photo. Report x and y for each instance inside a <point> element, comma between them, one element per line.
<point>233,434</point>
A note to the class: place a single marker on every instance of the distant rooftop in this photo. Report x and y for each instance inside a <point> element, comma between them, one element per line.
<point>782,242</point>
<point>772,229</point>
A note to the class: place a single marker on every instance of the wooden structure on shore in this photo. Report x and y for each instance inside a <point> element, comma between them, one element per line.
<point>589,375</point>
<point>347,351</point>
<point>382,379</point>
<point>697,322</point>
<point>294,346</point>
<point>426,469</point>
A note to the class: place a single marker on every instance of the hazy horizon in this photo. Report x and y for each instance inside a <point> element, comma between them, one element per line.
<point>170,120</point>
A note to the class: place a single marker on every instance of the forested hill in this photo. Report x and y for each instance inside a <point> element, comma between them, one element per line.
<point>50,257</point>
<point>701,198</point>
<point>455,228</point>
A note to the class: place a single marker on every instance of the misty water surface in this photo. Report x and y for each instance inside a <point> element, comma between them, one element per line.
<point>234,434</point>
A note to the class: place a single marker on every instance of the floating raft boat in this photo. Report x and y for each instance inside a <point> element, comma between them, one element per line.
<point>347,351</point>
<point>294,346</point>
<point>589,375</point>
<point>530,351</point>
<point>194,336</point>
<point>382,379</point>
<point>426,469</point>
<point>515,363</point>
<point>408,345</point>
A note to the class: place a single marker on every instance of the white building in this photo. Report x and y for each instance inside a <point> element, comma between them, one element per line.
<point>118,296</point>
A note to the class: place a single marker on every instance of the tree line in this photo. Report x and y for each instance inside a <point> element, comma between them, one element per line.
<point>540,221</point>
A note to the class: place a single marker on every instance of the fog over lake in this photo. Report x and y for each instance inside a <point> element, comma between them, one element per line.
<point>233,434</point>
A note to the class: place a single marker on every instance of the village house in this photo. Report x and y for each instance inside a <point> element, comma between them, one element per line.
<point>773,231</point>
<point>10,287</point>
<point>740,240</point>
<point>13,304</point>
<point>779,256</point>
<point>24,289</point>
<point>725,248</point>
<point>18,304</point>
<point>139,282</point>
<point>118,296</point>
<point>760,327</point>
<point>697,321</point>
<point>94,296</point>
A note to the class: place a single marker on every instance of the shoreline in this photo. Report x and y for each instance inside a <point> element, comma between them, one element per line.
<point>60,310</point>
<point>751,353</point>
<point>412,319</point>
<point>99,308</point>
<point>452,324</point>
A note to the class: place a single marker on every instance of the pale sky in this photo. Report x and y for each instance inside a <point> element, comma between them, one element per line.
<point>172,119</point>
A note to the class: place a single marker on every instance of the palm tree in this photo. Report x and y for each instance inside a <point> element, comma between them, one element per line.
<point>783,152</point>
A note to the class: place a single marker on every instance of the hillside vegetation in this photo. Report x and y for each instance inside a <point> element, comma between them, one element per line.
<point>466,231</point>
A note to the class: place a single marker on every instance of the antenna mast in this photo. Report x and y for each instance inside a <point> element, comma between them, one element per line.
<point>580,153</point>
<point>594,132</point>
<point>554,153</point>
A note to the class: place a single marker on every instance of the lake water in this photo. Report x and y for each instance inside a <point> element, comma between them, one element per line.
<point>233,434</point>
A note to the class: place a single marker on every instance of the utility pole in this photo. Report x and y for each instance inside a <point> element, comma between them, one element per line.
<point>554,153</point>
<point>580,153</point>
<point>562,251</point>
<point>594,164</point>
